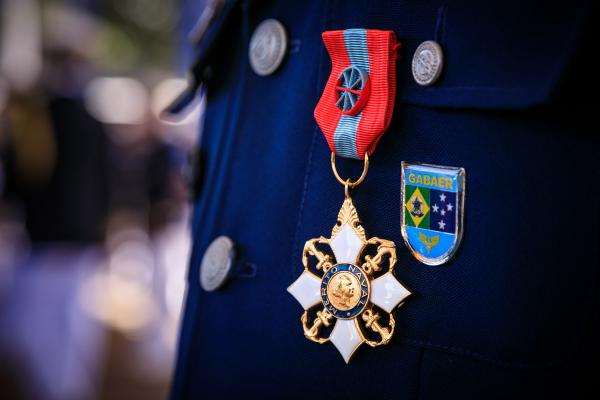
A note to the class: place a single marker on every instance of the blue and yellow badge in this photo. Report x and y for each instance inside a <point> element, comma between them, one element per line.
<point>433,200</point>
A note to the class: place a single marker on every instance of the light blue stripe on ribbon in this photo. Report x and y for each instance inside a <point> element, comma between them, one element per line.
<point>344,137</point>
<point>356,46</point>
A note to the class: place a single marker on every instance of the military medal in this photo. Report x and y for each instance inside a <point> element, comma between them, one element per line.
<point>348,289</point>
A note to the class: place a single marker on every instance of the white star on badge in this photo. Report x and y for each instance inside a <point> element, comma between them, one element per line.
<point>443,212</point>
<point>449,206</point>
<point>442,225</point>
<point>435,208</point>
<point>442,197</point>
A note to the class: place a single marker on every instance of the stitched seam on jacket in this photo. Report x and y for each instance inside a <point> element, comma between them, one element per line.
<point>296,248</point>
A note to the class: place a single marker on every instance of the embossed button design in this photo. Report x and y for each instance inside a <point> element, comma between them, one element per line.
<point>267,47</point>
<point>216,263</point>
<point>427,63</point>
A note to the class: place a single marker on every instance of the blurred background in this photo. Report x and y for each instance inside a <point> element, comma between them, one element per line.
<point>94,190</point>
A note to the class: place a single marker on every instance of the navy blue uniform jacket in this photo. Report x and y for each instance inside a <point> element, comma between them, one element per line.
<point>514,314</point>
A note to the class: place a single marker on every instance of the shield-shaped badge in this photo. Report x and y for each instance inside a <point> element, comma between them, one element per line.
<point>433,200</point>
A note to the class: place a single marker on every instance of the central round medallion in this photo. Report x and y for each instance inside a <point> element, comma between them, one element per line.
<point>345,290</point>
<point>353,88</point>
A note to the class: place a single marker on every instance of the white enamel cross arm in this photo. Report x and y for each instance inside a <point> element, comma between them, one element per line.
<point>387,292</point>
<point>305,289</point>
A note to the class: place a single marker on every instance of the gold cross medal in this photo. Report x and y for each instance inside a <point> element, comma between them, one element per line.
<point>348,289</point>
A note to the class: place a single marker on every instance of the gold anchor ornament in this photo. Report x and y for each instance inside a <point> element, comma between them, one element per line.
<point>348,289</point>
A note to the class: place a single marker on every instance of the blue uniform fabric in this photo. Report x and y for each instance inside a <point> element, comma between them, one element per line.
<point>515,314</point>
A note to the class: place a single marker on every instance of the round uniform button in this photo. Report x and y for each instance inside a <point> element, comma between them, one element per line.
<point>267,47</point>
<point>216,263</point>
<point>427,63</point>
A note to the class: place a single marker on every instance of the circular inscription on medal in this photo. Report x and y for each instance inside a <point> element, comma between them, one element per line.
<point>427,63</point>
<point>267,47</point>
<point>345,290</point>
<point>216,263</point>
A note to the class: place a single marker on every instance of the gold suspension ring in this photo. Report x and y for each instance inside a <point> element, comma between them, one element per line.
<point>347,182</point>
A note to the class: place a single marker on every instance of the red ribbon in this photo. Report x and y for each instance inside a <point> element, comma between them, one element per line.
<point>356,106</point>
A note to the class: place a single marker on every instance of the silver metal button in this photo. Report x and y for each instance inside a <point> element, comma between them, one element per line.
<point>216,263</point>
<point>427,63</point>
<point>267,47</point>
